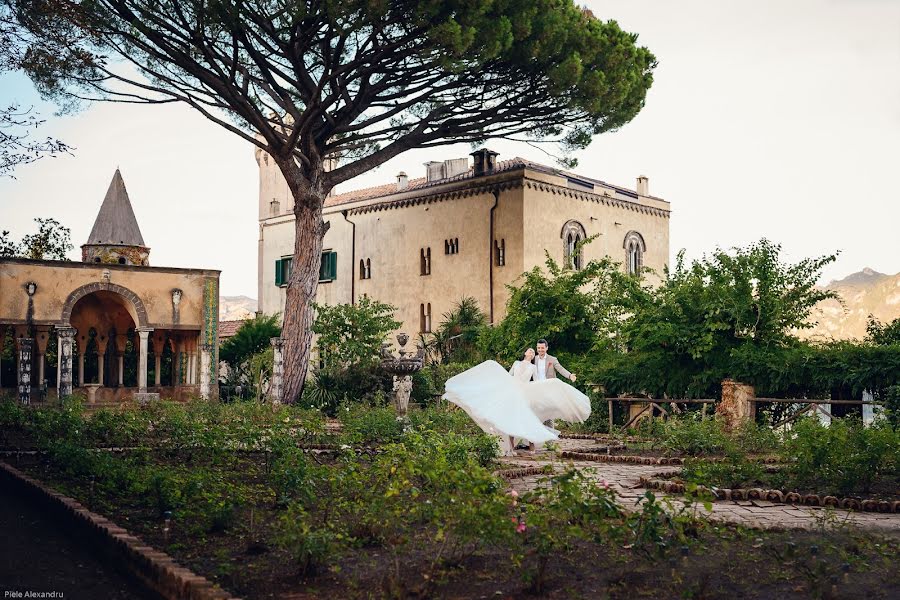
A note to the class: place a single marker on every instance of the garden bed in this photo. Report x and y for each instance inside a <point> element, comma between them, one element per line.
<point>422,517</point>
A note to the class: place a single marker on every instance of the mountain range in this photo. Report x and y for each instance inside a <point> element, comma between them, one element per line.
<point>862,294</point>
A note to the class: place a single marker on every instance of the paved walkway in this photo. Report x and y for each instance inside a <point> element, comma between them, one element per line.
<point>624,479</point>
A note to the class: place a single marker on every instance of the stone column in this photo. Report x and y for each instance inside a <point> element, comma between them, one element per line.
<point>43,336</point>
<point>101,342</point>
<point>24,346</point>
<point>159,346</point>
<point>143,333</point>
<point>277,388</point>
<point>81,367</point>
<point>737,405</point>
<point>65,337</point>
<point>205,361</point>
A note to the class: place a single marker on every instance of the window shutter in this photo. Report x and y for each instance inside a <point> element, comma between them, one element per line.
<point>278,278</point>
<point>332,265</point>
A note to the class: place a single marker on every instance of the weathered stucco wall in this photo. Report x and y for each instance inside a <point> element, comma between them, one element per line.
<point>56,280</point>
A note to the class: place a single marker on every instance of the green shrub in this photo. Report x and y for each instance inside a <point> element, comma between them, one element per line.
<point>295,478</point>
<point>690,435</point>
<point>553,518</point>
<point>310,545</point>
<point>735,472</point>
<point>844,457</point>
<point>370,425</point>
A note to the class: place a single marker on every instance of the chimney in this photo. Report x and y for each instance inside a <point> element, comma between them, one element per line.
<point>434,171</point>
<point>456,166</point>
<point>485,161</point>
<point>643,185</point>
<point>402,181</point>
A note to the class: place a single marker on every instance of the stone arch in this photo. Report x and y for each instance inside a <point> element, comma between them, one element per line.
<point>133,303</point>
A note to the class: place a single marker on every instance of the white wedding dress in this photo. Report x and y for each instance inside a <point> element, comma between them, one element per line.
<point>512,406</point>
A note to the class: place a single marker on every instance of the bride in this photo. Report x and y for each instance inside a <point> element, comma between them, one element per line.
<point>515,407</point>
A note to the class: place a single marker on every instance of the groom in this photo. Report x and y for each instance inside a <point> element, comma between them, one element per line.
<point>546,366</point>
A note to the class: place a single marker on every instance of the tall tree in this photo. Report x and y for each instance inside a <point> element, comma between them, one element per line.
<point>359,81</point>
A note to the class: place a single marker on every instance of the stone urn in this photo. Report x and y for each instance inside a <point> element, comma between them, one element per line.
<point>402,366</point>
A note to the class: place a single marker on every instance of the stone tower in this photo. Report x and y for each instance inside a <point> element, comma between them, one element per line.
<point>116,237</point>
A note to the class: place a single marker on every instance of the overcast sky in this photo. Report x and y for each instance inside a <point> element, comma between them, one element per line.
<point>766,119</point>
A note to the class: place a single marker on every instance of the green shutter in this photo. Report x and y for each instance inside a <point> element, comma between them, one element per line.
<point>332,259</point>
<point>278,278</point>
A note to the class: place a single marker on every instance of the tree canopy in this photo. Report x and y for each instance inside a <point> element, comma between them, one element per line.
<point>52,241</point>
<point>330,90</point>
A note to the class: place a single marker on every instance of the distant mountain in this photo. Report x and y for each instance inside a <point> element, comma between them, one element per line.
<point>236,308</point>
<point>864,293</point>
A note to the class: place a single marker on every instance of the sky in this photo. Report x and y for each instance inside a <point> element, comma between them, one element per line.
<point>766,119</point>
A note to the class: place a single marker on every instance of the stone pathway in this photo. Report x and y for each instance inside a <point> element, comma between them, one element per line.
<point>624,479</point>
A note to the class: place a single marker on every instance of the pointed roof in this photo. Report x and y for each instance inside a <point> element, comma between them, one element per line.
<point>115,223</point>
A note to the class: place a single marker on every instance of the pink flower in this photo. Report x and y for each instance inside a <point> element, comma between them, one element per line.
<point>521,528</point>
<point>514,493</point>
<point>604,484</point>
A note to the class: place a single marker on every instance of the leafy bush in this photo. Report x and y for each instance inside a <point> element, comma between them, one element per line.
<point>430,381</point>
<point>351,334</point>
<point>844,457</point>
<point>692,436</point>
<point>735,472</point>
<point>552,518</point>
<point>370,425</point>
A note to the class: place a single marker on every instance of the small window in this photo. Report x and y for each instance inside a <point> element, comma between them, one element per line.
<point>121,260</point>
<point>274,208</point>
<point>283,269</point>
<point>365,268</point>
<point>451,246</point>
<point>425,318</point>
<point>425,261</point>
<point>328,267</point>
<point>500,252</point>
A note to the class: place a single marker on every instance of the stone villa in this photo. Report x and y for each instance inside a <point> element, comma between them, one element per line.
<point>114,326</point>
<point>463,229</point>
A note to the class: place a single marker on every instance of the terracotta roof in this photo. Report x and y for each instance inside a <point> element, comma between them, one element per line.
<point>116,223</point>
<point>512,164</point>
<point>228,328</point>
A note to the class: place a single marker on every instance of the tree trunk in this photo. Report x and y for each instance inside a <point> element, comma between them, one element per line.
<point>309,231</point>
<point>301,293</point>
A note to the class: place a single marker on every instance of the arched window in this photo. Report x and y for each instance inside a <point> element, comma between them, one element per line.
<point>634,252</point>
<point>368,268</point>
<point>455,245</point>
<point>500,252</point>
<point>446,246</point>
<point>362,269</point>
<point>572,234</point>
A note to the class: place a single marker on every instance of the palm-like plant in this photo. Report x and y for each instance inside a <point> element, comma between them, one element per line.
<point>455,338</point>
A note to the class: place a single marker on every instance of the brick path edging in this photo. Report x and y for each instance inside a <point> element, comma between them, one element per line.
<point>881,506</point>
<point>153,568</point>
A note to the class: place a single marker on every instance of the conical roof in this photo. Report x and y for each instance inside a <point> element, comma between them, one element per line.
<point>115,222</point>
